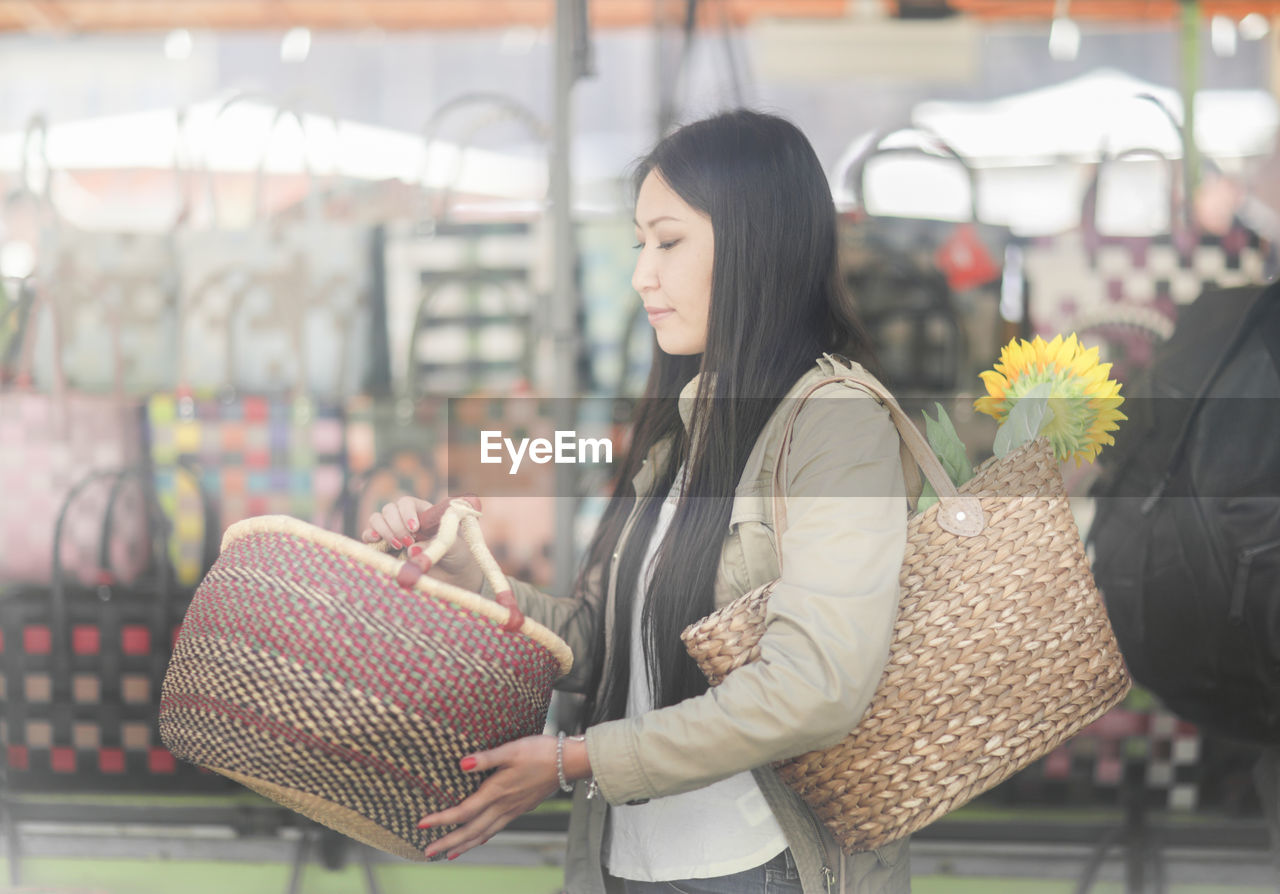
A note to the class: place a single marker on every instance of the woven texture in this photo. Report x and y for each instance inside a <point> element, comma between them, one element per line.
<point>1001,651</point>
<point>305,671</point>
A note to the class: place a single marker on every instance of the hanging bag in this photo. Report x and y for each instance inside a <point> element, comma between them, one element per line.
<point>926,288</point>
<point>50,440</point>
<point>1001,649</point>
<point>345,684</point>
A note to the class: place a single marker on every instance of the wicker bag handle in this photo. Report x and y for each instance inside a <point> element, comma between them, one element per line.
<point>960,514</point>
<point>442,524</point>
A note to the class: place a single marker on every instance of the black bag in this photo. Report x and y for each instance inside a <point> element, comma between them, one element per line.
<point>1187,529</point>
<point>81,670</point>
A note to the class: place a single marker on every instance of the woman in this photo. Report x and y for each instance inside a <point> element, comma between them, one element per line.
<point>736,235</point>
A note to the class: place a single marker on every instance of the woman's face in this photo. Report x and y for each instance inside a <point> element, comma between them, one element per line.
<point>673,270</point>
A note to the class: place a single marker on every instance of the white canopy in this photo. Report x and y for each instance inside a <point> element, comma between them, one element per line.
<point>1100,111</point>
<point>236,138</point>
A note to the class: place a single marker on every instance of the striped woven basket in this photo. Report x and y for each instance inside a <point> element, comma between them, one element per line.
<point>1001,651</point>
<point>344,684</point>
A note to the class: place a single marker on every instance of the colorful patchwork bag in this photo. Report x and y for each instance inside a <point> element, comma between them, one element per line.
<point>343,683</point>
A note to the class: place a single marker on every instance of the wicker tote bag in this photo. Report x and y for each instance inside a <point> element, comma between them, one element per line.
<point>344,684</point>
<point>1001,650</point>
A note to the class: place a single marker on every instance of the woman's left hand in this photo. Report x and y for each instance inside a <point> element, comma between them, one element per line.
<point>525,775</point>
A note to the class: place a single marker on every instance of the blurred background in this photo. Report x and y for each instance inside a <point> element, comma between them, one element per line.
<point>290,256</point>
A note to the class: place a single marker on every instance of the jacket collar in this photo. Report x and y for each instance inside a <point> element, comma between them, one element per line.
<point>689,395</point>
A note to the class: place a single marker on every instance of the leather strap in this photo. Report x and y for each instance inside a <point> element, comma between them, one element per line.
<point>960,514</point>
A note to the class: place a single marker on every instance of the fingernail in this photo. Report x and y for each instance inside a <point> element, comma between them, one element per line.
<point>414,550</point>
<point>412,524</point>
<point>454,856</point>
<point>467,764</point>
<point>424,825</point>
<point>396,544</point>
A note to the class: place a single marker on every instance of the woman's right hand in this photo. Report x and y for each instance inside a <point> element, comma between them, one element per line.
<point>399,524</point>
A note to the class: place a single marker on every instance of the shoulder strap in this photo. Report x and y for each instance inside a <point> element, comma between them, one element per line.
<point>957,513</point>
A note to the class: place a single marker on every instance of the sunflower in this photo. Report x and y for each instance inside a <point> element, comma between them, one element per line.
<point>1084,404</point>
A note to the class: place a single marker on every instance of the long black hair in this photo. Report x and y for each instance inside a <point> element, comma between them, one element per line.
<point>777,302</point>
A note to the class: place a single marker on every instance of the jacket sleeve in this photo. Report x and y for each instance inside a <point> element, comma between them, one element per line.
<point>572,618</point>
<point>828,627</point>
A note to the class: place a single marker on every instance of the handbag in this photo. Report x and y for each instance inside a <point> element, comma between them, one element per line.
<point>344,684</point>
<point>927,288</point>
<point>1001,649</point>
<point>120,282</point>
<point>257,453</point>
<point>48,442</point>
<point>294,295</point>
<point>1124,291</point>
<point>81,672</point>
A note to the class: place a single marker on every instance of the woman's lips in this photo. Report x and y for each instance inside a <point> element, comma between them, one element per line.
<point>658,313</point>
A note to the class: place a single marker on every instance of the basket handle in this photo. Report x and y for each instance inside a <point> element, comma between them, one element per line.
<point>442,524</point>
<point>960,514</point>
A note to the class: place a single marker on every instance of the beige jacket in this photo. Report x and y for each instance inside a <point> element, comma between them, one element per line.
<point>827,637</point>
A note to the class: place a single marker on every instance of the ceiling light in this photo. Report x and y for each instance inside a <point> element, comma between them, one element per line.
<point>296,45</point>
<point>1254,26</point>
<point>1222,35</point>
<point>1064,39</point>
<point>177,45</point>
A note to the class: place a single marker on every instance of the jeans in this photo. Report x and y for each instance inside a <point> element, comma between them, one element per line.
<point>778,876</point>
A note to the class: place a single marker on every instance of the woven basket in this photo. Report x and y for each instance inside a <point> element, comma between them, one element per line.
<point>1001,651</point>
<point>342,683</point>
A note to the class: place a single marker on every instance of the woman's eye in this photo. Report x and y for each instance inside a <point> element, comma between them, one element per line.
<point>665,246</point>
<point>638,246</point>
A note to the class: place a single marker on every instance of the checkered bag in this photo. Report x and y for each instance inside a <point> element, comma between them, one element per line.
<point>1123,291</point>
<point>82,668</point>
<point>1138,744</point>
<point>346,684</point>
<point>48,441</point>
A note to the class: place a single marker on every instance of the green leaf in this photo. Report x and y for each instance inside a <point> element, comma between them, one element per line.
<point>949,449</point>
<point>947,445</point>
<point>1029,415</point>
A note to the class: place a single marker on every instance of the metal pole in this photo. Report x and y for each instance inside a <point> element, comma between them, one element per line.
<point>1190,45</point>
<point>564,297</point>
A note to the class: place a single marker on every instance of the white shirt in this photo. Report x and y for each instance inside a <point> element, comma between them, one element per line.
<point>721,829</point>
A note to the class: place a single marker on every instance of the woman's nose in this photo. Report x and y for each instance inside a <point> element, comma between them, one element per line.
<point>644,278</point>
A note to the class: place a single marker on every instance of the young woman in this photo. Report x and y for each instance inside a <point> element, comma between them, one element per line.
<point>736,265</point>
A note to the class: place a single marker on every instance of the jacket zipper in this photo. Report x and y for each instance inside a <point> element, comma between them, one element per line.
<point>828,875</point>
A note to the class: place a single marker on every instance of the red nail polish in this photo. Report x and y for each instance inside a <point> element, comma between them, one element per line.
<point>454,856</point>
<point>424,825</point>
<point>412,524</point>
<point>414,550</point>
<point>468,764</point>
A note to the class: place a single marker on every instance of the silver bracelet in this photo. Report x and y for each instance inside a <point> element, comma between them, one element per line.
<point>564,783</point>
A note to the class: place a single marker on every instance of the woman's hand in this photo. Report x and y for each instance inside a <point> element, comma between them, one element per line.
<point>524,776</point>
<point>399,524</point>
